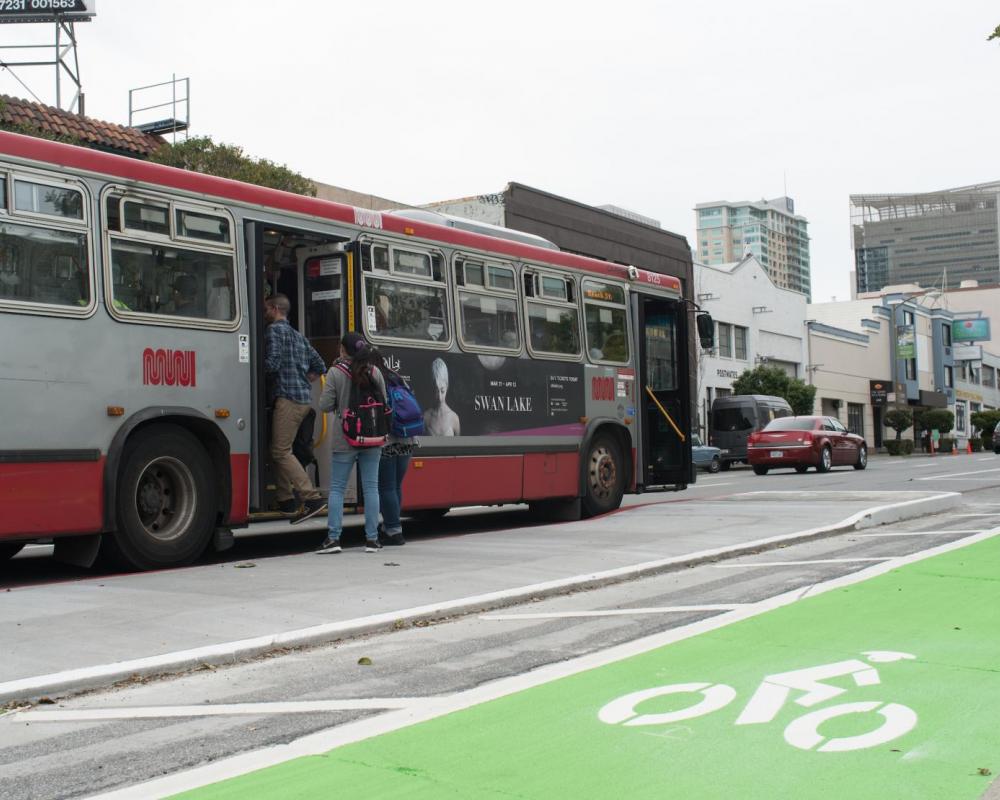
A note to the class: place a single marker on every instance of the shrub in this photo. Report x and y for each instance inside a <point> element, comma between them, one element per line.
<point>977,444</point>
<point>899,419</point>
<point>945,444</point>
<point>907,446</point>
<point>893,447</point>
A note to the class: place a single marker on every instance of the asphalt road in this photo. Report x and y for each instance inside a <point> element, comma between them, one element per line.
<point>146,728</point>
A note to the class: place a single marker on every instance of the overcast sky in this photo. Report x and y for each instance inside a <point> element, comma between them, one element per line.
<point>653,106</point>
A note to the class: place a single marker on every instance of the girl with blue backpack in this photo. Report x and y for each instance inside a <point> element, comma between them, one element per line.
<point>355,392</point>
<point>407,423</point>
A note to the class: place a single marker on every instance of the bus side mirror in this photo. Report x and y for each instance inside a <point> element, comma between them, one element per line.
<point>706,330</point>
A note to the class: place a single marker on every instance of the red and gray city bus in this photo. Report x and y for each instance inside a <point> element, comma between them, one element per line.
<point>133,401</point>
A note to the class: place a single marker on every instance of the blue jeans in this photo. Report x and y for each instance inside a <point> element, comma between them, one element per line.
<point>391,470</point>
<point>340,470</point>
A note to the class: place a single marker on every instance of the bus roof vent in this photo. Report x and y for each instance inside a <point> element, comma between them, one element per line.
<point>473,226</point>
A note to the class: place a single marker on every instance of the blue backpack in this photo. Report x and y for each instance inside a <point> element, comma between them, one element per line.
<point>407,416</point>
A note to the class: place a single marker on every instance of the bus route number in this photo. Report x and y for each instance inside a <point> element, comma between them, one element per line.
<point>602,388</point>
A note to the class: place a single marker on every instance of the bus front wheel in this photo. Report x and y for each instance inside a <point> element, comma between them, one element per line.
<point>605,476</point>
<point>165,509</point>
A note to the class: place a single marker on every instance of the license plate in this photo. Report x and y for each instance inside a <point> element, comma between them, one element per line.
<point>777,454</point>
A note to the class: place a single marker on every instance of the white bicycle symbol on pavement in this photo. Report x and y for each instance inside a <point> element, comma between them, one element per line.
<point>771,696</point>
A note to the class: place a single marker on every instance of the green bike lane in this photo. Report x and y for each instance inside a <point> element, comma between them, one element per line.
<point>867,722</point>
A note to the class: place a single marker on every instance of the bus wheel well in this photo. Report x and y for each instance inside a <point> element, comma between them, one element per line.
<point>204,429</point>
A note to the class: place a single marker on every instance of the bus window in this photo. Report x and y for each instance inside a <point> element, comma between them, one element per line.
<point>553,329</point>
<point>407,263</point>
<point>156,279</point>
<point>44,265</point>
<point>661,352</point>
<point>487,305</point>
<point>605,318</point>
<point>413,311</point>
<point>207,227</point>
<point>40,198</point>
<point>146,217</point>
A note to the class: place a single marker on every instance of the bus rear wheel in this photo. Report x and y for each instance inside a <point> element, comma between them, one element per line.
<point>605,476</point>
<point>165,509</point>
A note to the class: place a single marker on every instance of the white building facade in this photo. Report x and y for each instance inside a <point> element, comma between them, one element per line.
<point>756,323</point>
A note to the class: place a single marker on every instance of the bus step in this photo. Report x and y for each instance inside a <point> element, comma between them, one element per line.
<point>223,539</point>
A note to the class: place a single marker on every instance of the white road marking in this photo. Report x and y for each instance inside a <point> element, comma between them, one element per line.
<point>988,458</point>
<point>708,485</point>
<point>922,466</point>
<point>221,710</point>
<point>913,533</point>
<point>324,741</point>
<point>984,514</point>
<point>800,563</point>
<point>616,612</point>
<point>954,475</point>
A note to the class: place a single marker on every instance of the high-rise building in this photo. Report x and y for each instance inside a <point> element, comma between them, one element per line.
<point>935,239</point>
<point>770,230</point>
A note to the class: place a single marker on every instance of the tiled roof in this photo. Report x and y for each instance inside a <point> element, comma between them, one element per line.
<point>89,132</point>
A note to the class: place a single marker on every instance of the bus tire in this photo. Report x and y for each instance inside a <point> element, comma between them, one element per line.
<point>604,476</point>
<point>165,510</point>
<point>10,549</point>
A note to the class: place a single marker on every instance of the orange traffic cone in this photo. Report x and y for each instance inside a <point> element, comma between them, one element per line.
<point>968,446</point>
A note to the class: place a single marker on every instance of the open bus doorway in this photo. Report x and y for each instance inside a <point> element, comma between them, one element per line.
<point>665,451</point>
<point>309,269</point>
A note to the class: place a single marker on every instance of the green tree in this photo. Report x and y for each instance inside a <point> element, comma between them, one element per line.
<point>201,154</point>
<point>985,421</point>
<point>940,419</point>
<point>995,34</point>
<point>775,381</point>
<point>899,419</point>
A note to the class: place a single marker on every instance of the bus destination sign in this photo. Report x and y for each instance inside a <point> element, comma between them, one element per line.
<point>47,10</point>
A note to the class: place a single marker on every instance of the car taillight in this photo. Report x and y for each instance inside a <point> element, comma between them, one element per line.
<point>752,438</point>
<point>807,439</point>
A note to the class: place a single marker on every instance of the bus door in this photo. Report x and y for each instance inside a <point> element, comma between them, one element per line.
<point>664,456</point>
<point>308,268</point>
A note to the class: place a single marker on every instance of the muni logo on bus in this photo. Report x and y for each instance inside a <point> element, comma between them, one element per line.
<point>168,367</point>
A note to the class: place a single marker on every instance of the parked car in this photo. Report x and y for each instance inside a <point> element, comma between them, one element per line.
<point>705,456</point>
<point>735,417</point>
<point>803,442</point>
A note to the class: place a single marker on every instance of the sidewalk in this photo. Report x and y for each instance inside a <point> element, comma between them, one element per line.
<point>92,632</point>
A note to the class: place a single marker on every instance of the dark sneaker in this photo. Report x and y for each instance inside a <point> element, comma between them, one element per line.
<point>372,546</point>
<point>329,546</point>
<point>310,509</point>
<point>393,539</point>
<point>289,507</point>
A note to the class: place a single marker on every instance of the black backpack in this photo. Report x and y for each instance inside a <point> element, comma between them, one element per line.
<point>366,416</point>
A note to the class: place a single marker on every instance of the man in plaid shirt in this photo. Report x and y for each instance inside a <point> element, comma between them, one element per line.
<point>292,364</point>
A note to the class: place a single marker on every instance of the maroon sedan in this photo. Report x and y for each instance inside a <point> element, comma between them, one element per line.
<point>803,442</point>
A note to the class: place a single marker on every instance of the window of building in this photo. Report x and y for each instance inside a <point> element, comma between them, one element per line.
<point>911,369</point>
<point>946,334</point>
<point>960,417</point>
<point>907,317</point>
<point>989,377</point>
<point>949,377</point>
<point>725,339</point>
<point>856,418</point>
<point>740,336</point>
